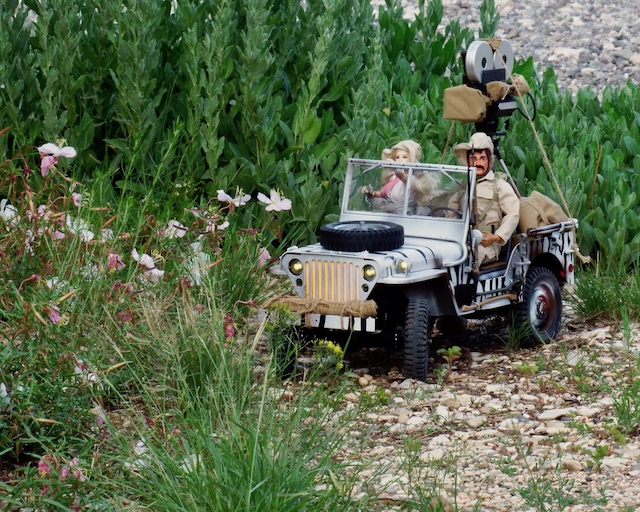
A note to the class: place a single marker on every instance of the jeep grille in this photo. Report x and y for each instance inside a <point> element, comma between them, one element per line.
<point>332,280</point>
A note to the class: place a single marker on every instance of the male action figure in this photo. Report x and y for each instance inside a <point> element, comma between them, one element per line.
<point>497,205</point>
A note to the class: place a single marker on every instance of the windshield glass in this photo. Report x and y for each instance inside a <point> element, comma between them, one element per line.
<point>407,189</point>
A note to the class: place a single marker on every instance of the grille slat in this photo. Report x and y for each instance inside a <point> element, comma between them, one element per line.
<point>332,280</point>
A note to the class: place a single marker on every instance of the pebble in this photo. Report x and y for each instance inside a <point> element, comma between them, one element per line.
<point>589,43</point>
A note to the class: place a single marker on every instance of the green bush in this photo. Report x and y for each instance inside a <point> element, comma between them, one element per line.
<point>170,102</point>
<point>214,95</point>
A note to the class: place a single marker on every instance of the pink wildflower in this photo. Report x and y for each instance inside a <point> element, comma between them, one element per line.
<point>54,314</point>
<point>275,202</point>
<point>50,153</point>
<point>47,163</point>
<point>115,261</point>
<point>264,257</point>
<point>125,316</point>
<point>152,273</point>
<point>77,199</point>
<point>145,260</point>
<point>43,468</point>
<point>51,149</point>
<point>75,469</point>
<point>229,330</point>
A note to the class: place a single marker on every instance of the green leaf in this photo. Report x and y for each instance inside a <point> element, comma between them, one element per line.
<point>311,127</point>
<point>632,145</point>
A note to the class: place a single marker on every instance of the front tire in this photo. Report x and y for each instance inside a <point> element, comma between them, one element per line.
<point>417,339</point>
<point>540,312</point>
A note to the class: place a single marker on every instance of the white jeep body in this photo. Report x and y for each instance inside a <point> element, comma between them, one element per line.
<point>395,267</point>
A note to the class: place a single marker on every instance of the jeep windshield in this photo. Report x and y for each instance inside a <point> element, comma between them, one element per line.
<point>428,200</point>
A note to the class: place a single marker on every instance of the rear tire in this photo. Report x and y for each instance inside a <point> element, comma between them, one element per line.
<point>540,312</point>
<point>417,339</point>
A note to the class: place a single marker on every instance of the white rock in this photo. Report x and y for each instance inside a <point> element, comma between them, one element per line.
<point>351,397</point>
<point>416,420</point>
<point>572,465</point>
<point>381,450</point>
<point>442,413</point>
<point>552,414</point>
<point>431,455</point>
<point>615,462</point>
<point>477,421</point>
<point>403,417</point>
<point>588,412</point>
<point>512,426</point>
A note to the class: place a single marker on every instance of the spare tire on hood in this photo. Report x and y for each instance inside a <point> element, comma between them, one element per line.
<point>356,236</point>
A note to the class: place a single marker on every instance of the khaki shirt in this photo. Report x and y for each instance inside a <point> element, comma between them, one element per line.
<point>497,206</point>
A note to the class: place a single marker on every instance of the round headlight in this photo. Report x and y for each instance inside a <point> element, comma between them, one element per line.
<point>369,272</point>
<point>296,267</point>
<point>403,266</point>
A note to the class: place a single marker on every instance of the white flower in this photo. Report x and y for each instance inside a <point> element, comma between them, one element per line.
<point>51,149</point>
<point>191,462</point>
<point>5,399</point>
<point>8,212</point>
<point>197,263</point>
<point>80,228</point>
<point>212,227</point>
<point>238,201</point>
<point>174,229</point>
<point>86,377</point>
<point>275,202</point>
<point>152,273</point>
<point>142,461</point>
<point>90,271</point>
<point>55,283</point>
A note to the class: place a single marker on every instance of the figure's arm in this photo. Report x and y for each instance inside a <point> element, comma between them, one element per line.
<point>402,175</point>
<point>510,206</point>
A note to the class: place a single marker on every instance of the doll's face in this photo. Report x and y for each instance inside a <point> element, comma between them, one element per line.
<point>403,156</point>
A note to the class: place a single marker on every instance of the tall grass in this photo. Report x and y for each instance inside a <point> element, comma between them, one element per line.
<point>215,434</point>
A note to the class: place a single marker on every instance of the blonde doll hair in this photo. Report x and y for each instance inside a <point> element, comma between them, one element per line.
<point>410,146</point>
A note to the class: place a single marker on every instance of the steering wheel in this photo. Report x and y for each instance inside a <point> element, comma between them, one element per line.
<point>442,211</point>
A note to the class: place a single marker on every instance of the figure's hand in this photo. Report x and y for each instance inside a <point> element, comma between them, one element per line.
<point>367,190</point>
<point>489,238</point>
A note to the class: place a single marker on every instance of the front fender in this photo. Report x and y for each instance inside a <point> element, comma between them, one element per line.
<point>437,293</point>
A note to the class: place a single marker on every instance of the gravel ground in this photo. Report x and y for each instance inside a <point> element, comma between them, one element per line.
<point>501,430</point>
<point>589,43</point>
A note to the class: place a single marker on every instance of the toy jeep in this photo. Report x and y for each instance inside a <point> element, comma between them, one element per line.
<point>396,273</point>
<point>406,268</point>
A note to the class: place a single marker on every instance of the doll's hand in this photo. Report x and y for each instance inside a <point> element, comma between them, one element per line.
<point>367,190</point>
